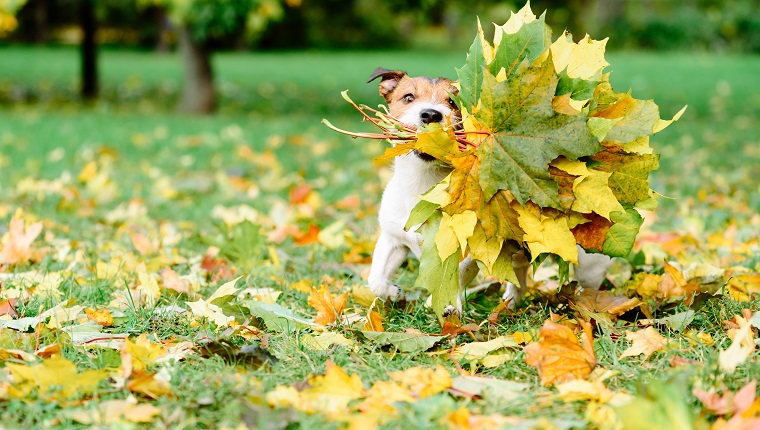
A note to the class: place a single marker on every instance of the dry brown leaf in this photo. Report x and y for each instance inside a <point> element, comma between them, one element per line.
<point>604,302</point>
<point>329,307</point>
<point>645,342</point>
<point>559,356</point>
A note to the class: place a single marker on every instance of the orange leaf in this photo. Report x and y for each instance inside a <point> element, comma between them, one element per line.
<point>300,193</point>
<point>142,244</point>
<point>559,356</point>
<point>17,243</point>
<point>217,268</point>
<point>101,316</point>
<point>328,307</point>
<point>374,322</point>
<point>8,307</point>
<point>310,236</point>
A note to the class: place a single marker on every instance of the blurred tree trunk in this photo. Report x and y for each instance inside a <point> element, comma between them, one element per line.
<point>89,49</point>
<point>162,23</point>
<point>198,94</point>
<point>42,29</point>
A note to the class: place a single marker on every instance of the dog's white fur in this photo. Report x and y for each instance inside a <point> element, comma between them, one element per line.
<point>412,177</point>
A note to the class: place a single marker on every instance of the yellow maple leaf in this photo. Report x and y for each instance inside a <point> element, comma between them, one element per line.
<point>329,394</point>
<point>463,225</point>
<point>424,382</point>
<point>582,60</point>
<point>383,394</point>
<point>116,411</point>
<point>559,356</point>
<point>329,307</point>
<point>446,238</point>
<point>645,342</point>
<point>547,234</point>
<point>514,23</point>
<point>143,352</point>
<point>54,379</point>
<point>591,188</point>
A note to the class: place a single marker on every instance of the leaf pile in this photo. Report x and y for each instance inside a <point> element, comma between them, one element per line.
<point>556,158</point>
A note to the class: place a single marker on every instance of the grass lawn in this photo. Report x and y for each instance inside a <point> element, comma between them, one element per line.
<point>125,188</point>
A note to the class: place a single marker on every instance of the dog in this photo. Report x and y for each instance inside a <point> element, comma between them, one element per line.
<point>420,101</point>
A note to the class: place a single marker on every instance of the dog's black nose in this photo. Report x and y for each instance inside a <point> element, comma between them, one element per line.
<point>430,115</point>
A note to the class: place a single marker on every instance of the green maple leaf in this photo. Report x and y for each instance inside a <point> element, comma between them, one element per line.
<point>440,277</point>
<point>527,134</point>
<point>528,43</point>
<point>622,235</point>
<point>471,74</point>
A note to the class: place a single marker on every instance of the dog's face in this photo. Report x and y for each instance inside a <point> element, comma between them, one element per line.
<point>418,101</point>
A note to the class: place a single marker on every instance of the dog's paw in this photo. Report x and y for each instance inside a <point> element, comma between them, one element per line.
<point>386,290</point>
<point>513,294</point>
<point>451,310</point>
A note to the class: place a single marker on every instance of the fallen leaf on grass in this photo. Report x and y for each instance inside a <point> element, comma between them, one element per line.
<point>17,243</point>
<point>89,334</point>
<point>676,322</point>
<point>329,307</point>
<point>374,322</point>
<point>405,342</point>
<point>475,351</point>
<point>325,340</point>
<point>591,301</point>
<point>101,316</point>
<point>424,382</point>
<point>116,412</point>
<point>498,390</point>
<point>645,342</point>
<point>150,385</point>
<point>278,318</point>
<point>251,354</point>
<point>143,352</point>
<point>559,356</point>
<point>7,307</point>
<point>329,393</point>
<point>54,379</point>
<point>659,405</point>
<point>729,402</point>
<point>582,390</point>
<point>742,343</point>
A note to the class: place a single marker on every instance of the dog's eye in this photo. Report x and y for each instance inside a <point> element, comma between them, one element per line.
<point>452,104</point>
<point>408,98</point>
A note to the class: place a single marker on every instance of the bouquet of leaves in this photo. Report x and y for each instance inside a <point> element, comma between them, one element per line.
<point>547,156</point>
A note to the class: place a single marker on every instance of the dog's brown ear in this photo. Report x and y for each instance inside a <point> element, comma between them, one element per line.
<point>389,82</point>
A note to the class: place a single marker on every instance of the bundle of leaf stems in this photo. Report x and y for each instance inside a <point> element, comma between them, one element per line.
<point>393,129</point>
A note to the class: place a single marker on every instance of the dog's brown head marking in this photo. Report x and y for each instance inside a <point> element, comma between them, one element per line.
<point>417,100</point>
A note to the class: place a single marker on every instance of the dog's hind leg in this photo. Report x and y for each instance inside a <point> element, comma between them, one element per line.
<point>513,292</point>
<point>386,259</point>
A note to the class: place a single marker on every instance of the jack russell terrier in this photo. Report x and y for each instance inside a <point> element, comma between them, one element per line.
<point>419,101</point>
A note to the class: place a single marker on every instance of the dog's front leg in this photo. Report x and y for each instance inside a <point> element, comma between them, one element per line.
<point>386,259</point>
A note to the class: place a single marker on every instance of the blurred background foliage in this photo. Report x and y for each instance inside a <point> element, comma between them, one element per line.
<point>714,25</point>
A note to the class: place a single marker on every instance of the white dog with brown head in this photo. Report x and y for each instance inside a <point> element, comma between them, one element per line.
<point>419,101</point>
